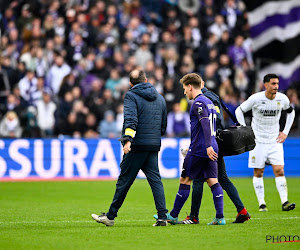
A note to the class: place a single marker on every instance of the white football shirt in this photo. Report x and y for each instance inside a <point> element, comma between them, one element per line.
<point>265,115</point>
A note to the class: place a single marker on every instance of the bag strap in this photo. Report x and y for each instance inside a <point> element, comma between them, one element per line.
<point>230,114</point>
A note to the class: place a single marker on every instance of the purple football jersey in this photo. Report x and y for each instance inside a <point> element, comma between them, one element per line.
<point>203,117</point>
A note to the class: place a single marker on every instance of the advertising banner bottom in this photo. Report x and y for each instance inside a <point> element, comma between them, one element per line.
<point>93,158</point>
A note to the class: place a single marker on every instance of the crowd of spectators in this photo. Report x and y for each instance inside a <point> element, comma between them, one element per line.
<point>65,63</point>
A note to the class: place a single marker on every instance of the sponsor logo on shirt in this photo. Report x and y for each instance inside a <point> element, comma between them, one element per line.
<point>265,112</point>
<point>211,106</point>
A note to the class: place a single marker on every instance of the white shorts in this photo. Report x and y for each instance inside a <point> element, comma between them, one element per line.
<point>271,153</point>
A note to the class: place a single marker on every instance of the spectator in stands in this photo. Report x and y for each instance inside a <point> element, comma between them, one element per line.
<point>231,13</point>
<point>100,68</point>
<point>207,18</point>
<point>171,93</point>
<point>68,83</point>
<point>113,81</point>
<point>225,70</point>
<point>94,98</point>
<point>236,52</point>
<point>143,54</point>
<point>69,127</point>
<point>28,85</point>
<point>218,27</point>
<point>81,112</point>
<point>203,55</point>
<point>57,73</point>
<point>90,126</point>
<point>41,63</point>
<point>224,43</point>
<point>171,62</point>
<point>46,108</point>
<point>189,8</point>
<point>241,81</point>
<point>29,58</point>
<point>210,77</point>
<point>38,92</point>
<point>10,126</point>
<point>77,49</point>
<point>4,85</point>
<point>12,104</point>
<point>108,127</point>
<point>196,32</point>
<point>178,122</point>
<point>31,128</point>
<point>64,107</point>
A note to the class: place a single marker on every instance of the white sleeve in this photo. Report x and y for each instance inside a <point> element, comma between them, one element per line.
<point>286,103</point>
<point>240,116</point>
<point>248,104</point>
<point>289,122</point>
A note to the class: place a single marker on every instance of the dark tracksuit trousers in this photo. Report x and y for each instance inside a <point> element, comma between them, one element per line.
<point>147,161</point>
<point>226,184</point>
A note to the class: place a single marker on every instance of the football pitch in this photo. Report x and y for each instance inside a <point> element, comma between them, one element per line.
<point>57,215</point>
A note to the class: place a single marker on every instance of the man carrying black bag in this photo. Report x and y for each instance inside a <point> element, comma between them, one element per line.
<point>224,181</point>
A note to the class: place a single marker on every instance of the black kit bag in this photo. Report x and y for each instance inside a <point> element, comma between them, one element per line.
<point>235,140</point>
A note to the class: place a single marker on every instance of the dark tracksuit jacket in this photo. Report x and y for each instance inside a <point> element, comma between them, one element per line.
<point>145,121</point>
<point>145,113</point>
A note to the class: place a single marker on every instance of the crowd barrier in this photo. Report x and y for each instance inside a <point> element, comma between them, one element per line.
<point>100,158</point>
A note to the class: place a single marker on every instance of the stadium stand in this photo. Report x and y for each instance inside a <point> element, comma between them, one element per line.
<point>65,64</point>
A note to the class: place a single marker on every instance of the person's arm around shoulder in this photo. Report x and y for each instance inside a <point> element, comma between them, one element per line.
<point>130,121</point>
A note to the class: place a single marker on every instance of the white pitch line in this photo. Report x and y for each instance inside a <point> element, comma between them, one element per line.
<point>90,221</point>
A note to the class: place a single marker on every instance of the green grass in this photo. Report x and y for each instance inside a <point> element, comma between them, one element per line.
<point>56,215</point>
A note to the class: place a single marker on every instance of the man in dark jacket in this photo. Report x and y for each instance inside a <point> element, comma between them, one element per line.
<point>145,121</point>
<point>224,181</point>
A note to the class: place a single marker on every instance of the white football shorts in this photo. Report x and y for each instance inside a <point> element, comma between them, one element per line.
<point>271,153</point>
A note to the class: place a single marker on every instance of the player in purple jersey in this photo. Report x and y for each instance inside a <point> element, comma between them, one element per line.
<point>201,159</point>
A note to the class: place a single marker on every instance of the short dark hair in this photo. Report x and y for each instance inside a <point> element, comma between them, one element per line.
<point>137,78</point>
<point>192,78</point>
<point>268,77</point>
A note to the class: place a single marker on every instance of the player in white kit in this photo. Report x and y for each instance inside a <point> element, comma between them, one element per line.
<point>266,109</point>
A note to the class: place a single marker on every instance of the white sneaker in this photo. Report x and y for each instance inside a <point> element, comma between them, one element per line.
<point>103,219</point>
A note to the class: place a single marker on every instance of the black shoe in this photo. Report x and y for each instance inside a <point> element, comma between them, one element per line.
<point>263,208</point>
<point>188,220</point>
<point>288,206</point>
<point>241,218</point>
<point>160,223</point>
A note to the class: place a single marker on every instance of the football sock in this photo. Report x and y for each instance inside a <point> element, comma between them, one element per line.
<point>217,192</point>
<point>282,188</point>
<point>181,197</point>
<point>258,184</point>
<point>243,211</point>
<point>196,198</point>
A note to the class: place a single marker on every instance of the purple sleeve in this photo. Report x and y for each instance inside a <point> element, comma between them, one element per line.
<point>202,114</point>
<point>206,131</point>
